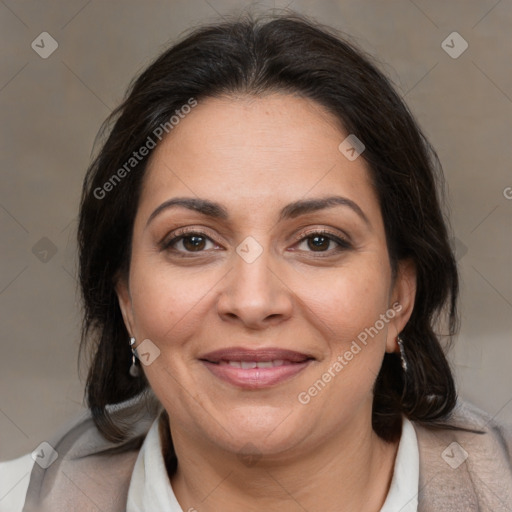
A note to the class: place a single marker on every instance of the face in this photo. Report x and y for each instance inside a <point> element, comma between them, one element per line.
<point>267,319</point>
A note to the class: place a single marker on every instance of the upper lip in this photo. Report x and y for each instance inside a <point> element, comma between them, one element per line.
<point>262,354</point>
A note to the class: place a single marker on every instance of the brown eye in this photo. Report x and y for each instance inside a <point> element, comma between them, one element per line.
<point>193,242</point>
<point>188,242</point>
<point>318,242</point>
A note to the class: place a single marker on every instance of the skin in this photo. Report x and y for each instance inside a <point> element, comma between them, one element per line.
<point>254,156</point>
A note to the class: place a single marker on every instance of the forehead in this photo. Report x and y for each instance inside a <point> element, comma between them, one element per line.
<point>255,150</point>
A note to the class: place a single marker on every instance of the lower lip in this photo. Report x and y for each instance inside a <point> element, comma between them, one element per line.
<point>255,378</point>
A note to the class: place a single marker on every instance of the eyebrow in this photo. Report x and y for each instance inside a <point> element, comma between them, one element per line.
<point>290,211</point>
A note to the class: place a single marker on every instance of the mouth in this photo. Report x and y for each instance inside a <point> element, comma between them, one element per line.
<point>255,369</point>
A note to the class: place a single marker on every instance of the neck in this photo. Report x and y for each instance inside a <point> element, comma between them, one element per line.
<point>345,473</point>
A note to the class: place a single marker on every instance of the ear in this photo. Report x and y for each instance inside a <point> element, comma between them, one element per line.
<point>125,304</point>
<point>402,300</point>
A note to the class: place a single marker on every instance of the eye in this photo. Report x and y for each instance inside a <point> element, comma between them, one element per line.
<point>187,242</point>
<point>320,241</point>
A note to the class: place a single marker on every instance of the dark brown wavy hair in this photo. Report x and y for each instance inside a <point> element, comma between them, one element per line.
<point>253,56</point>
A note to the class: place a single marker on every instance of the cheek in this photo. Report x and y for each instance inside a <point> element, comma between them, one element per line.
<point>349,309</point>
<point>165,302</point>
<point>348,300</point>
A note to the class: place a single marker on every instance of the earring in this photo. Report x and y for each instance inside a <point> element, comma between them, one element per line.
<point>402,352</point>
<point>134,369</point>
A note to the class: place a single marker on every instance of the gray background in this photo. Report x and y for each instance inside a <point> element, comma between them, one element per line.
<point>52,109</point>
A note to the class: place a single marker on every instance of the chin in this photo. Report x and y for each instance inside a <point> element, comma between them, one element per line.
<point>269,429</point>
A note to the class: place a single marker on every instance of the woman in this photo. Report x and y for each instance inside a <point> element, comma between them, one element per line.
<point>265,268</point>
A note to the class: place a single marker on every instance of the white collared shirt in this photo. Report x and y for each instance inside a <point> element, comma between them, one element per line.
<point>403,491</point>
<point>150,489</point>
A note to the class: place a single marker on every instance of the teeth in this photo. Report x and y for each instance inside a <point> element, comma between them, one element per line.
<point>249,365</point>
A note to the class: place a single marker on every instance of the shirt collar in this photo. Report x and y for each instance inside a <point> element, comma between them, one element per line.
<point>150,488</point>
<point>403,491</point>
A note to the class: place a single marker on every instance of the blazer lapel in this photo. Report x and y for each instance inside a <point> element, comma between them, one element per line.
<point>464,471</point>
<point>90,473</point>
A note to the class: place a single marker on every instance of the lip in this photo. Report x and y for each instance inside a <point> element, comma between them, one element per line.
<point>288,364</point>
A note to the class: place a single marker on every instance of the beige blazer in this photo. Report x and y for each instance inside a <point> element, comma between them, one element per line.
<point>459,471</point>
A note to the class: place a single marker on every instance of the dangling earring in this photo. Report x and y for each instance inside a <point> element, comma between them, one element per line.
<point>134,369</point>
<point>402,352</point>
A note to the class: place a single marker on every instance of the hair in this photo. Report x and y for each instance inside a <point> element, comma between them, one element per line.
<point>255,56</point>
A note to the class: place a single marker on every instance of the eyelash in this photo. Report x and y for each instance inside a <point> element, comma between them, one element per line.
<point>343,244</point>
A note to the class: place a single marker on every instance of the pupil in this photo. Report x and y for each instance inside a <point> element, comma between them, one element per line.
<point>193,242</point>
<point>319,241</point>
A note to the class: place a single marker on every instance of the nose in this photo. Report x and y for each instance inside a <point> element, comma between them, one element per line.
<point>255,294</point>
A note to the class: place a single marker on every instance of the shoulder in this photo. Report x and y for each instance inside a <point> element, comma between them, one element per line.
<point>469,458</point>
<point>472,425</point>
<point>14,480</point>
<point>82,454</point>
